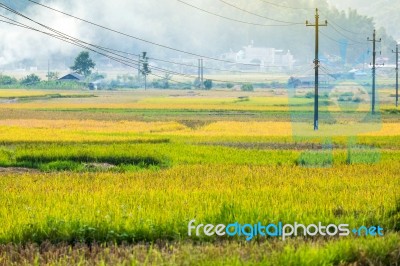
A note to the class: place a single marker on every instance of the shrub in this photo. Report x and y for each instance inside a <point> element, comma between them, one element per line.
<point>208,84</point>
<point>32,79</point>
<point>310,95</point>
<point>247,87</point>
<point>230,85</point>
<point>7,80</point>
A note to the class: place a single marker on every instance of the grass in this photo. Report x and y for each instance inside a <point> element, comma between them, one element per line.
<point>115,179</point>
<point>345,252</point>
<point>152,206</point>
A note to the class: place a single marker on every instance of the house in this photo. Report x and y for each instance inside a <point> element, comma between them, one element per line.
<point>97,85</point>
<point>325,81</point>
<point>252,58</point>
<point>72,77</point>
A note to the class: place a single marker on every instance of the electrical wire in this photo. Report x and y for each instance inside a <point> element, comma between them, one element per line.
<point>87,46</point>
<point>288,7</point>
<point>337,41</point>
<point>332,21</point>
<point>354,41</point>
<point>257,15</point>
<point>196,66</point>
<point>123,60</point>
<point>232,19</point>
<point>131,36</point>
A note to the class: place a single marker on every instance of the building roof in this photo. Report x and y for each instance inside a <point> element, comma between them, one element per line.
<point>324,78</point>
<point>72,76</point>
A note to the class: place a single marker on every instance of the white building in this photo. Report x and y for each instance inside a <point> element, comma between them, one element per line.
<point>260,58</point>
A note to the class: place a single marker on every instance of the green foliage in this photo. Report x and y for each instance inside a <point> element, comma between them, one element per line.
<point>7,80</point>
<point>52,76</point>
<point>145,69</point>
<point>96,76</point>
<point>247,87</point>
<point>125,81</point>
<point>29,80</point>
<point>83,64</point>
<point>310,95</point>
<point>162,83</point>
<point>208,84</point>
<point>230,85</point>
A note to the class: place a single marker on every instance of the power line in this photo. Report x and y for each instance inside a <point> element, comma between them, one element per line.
<point>140,39</point>
<point>77,42</point>
<point>337,25</point>
<point>123,62</point>
<point>346,36</point>
<point>257,15</point>
<point>85,45</point>
<point>195,66</point>
<point>288,7</point>
<point>128,35</point>
<point>70,38</point>
<point>334,40</point>
<point>232,19</point>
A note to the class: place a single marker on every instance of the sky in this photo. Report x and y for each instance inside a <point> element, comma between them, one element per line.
<point>167,22</point>
<point>148,19</point>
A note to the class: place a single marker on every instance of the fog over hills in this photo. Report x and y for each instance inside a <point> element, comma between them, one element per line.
<point>385,12</point>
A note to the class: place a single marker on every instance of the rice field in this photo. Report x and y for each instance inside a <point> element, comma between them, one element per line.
<point>116,178</point>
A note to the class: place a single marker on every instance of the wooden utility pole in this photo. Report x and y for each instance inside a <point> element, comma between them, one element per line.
<point>48,70</point>
<point>316,63</point>
<point>202,73</point>
<point>397,74</point>
<point>199,74</point>
<point>374,41</point>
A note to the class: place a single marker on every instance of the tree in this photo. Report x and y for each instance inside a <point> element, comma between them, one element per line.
<point>247,87</point>
<point>30,80</point>
<point>165,81</point>
<point>208,84</point>
<point>145,70</point>
<point>7,80</point>
<point>83,64</point>
<point>51,76</point>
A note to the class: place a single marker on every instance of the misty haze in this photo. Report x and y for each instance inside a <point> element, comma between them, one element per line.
<point>199,132</point>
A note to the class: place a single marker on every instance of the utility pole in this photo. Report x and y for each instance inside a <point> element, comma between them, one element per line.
<point>374,41</point>
<point>202,73</point>
<point>397,74</point>
<point>316,63</point>
<point>48,70</point>
<point>199,73</point>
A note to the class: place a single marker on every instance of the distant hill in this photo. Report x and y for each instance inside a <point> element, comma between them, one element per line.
<point>385,12</point>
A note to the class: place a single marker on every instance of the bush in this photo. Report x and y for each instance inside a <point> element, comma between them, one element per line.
<point>348,94</point>
<point>310,95</point>
<point>208,84</point>
<point>32,79</point>
<point>247,87</point>
<point>7,80</point>
<point>230,85</point>
<point>52,76</point>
